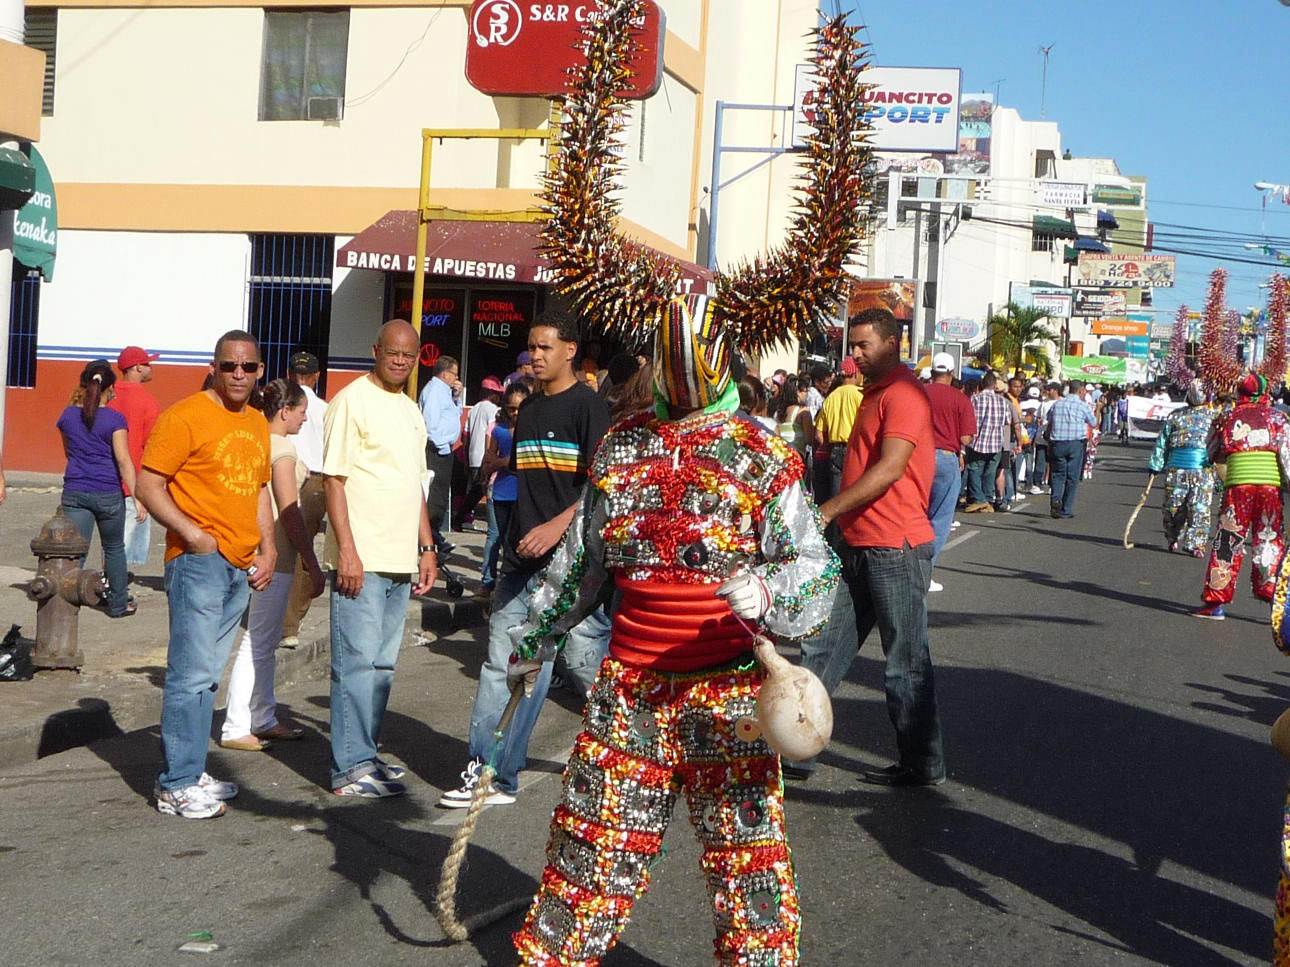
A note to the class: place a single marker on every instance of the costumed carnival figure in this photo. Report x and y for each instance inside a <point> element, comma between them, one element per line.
<point>1181,453</point>
<point>1253,440</point>
<point>696,522</point>
<point>677,503</point>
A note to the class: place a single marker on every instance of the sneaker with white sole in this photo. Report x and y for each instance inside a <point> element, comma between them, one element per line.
<point>187,802</point>
<point>374,786</point>
<point>390,771</point>
<point>217,789</point>
<point>935,586</point>
<point>1036,489</point>
<point>460,797</point>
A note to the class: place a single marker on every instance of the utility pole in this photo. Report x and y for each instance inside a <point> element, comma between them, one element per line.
<point>1043,89</point>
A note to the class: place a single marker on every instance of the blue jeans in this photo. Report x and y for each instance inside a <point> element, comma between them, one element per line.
<point>138,535</point>
<point>1038,476</point>
<point>366,632</point>
<point>886,587</point>
<point>499,521</point>
<point>1068,466</point>
<point>108,511</point>
<point>206,597</point>
<point>584,650</point>
<point>981,470</point>
<point>944,496</point>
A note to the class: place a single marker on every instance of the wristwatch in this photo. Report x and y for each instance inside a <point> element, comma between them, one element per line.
<point>422,548</point>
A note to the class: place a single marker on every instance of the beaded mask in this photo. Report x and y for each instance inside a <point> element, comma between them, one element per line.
<point>691,353</point>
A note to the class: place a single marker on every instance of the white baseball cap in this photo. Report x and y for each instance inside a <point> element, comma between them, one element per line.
<point>942,363</point>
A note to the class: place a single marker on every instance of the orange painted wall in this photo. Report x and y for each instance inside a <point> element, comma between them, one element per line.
<point>32,443</point>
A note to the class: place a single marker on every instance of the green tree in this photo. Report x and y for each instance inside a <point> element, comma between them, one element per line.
<point>1018,335</point>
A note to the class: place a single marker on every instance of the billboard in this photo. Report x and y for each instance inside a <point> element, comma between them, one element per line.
<point>1106,271</point>
<point>898,296</point>
<point>1062,194</point>
<point>960,330</point>
<point>1094,369</point>
<point>510,45</point>
<point>1091,302</point>
<point>909,108</point>
<point>1057,302</point>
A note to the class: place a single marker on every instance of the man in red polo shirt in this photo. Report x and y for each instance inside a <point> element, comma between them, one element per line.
<point>886,551</point>
<point>140,409</point>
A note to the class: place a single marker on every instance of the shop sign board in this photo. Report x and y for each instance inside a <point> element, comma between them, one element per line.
<point>1119,327</point>
<point>909,108</point>
<point>960,330</point>
<point>1062,194</point>
<point>1056,302</point>
<point>35,224</point>
<point>1091,302</point>
<point>521,49</point>
<point>1109,271</point>
<point>895,295</point>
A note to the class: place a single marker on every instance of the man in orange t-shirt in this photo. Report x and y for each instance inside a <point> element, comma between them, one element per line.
<point>886,551</point>
<point>204,477</point>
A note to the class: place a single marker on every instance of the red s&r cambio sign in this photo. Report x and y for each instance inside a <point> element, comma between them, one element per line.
<point>521,49</point>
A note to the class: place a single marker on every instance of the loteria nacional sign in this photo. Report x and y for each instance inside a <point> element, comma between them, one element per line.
<point>517,49</point>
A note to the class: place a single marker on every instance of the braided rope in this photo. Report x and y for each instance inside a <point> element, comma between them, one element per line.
<point>445,898</point>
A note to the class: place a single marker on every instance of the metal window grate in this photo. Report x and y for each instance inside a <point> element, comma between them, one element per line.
<point>41,32</point>
<point>24,313</point>
<point>289,304</point>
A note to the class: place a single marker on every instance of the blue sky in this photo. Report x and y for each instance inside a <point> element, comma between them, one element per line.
<point>1194,95</point>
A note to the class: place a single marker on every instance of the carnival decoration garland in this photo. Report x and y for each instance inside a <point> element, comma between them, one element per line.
<point>1274,355</point>
<point>619,286</point>
<point>1176,367</point>
<point>1220,367</point>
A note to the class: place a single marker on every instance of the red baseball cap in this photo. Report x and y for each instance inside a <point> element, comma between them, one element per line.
<point>849,367</point>
<point>133,356</point>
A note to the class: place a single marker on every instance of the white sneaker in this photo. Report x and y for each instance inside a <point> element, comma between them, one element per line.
<point>1036,489</point>
<point>188,802</point>
<point>290,641</point>
<point>955,524</point>
<point>460,797</point>
<point>216,789</point>
<point>935,586</point>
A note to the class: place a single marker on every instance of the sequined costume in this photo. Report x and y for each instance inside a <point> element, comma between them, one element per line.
<point>1254,441</point>
<point>1189,477</point>
<point>674,508</point>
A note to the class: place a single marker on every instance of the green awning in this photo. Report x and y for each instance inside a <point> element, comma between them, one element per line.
<point>17,179</point>
<point>1056,227</point>
<point>35,227</point>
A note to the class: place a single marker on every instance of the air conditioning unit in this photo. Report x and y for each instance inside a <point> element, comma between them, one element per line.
<point>326,108</point>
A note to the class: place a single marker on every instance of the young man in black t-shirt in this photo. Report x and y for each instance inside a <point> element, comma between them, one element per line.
<point>556,433</point>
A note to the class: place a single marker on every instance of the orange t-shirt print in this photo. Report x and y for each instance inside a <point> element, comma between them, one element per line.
<point>215,464</point>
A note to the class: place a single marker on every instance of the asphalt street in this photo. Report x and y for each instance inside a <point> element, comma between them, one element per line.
<point>1113,798</point>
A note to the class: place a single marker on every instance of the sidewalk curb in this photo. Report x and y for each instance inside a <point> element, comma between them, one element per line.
<point>137,705</point>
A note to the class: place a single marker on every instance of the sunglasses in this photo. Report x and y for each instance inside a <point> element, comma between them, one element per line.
<point>229,365</point>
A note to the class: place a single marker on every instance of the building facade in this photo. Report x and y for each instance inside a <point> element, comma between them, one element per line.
<point>223,165</point>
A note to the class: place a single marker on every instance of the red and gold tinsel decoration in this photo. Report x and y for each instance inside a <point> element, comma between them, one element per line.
<point>620,286</point>
<point>1176,367</point>
<point>1219,366</point>
<point>1274,355</point>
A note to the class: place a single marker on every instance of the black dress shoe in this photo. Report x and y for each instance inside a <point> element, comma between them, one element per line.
<point>898,775</point>
<point>795,773</point>
<point>1055,511</point>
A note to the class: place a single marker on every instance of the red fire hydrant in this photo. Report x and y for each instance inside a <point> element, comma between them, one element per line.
<point>60,588</point>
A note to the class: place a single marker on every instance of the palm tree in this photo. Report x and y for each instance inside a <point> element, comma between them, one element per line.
<point>1018,334</point>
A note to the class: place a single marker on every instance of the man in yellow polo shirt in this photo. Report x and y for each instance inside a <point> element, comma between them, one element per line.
<point>379,543</point>
<point>833,425</point>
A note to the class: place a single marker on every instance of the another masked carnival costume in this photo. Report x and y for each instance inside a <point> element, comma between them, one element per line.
<point>1254,442</point>
<point>696,522</point>
<point>1181,454</point>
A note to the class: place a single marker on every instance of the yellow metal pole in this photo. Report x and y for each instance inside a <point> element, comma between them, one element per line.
<point>419,272</point>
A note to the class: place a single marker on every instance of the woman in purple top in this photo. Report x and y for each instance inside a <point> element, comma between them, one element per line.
<point>98,463</point>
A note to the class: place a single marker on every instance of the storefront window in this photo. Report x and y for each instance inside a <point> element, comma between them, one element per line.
<point>498,332</point>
